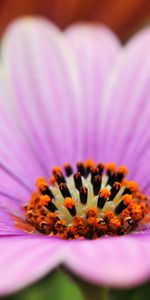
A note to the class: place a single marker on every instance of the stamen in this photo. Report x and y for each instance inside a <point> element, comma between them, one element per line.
<point>60,178</point>
<point>121,173</point>
<point>68,170</point>
<point>89,164</point>
<point>64,190</point>
<point>81,168</point>
<point>43,187</point>
<point>114,190</point>
<point>100,167</point>
<point>77,180</point>
<point>50,205</point>
<point>111,173</point>
<point>126,199</point>
<point>94,201</point>
<point>127,191</point>
<point>94,172</point>
<point>103,196</point>
<point>69,203</point>
<point>46,201</point>
<point>83,195</point>
<point>56,170</point>
<point>96,184</point>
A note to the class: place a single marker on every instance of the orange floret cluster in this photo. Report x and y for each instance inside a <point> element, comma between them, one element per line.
<point>94,221</point>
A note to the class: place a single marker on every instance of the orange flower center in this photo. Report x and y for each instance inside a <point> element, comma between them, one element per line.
<point>95,201</point>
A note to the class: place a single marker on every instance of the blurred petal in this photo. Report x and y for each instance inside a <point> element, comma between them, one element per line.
<point>125,110</point>
<point>96,49</point>
<point>10,133</point>
<point>43,78</point>
<point>25,259</point>
<point>114,262</point>
<point>17,173</point>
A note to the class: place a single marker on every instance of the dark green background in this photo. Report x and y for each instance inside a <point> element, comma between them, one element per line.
<point>59,286</point>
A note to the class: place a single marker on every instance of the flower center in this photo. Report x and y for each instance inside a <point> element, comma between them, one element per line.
<point>95,201</point>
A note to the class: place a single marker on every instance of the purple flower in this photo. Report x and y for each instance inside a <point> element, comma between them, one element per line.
<point>68,97</point>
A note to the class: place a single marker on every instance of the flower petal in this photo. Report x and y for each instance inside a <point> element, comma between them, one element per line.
<point>43,78</point>
<point>18,166</point>
<point>123,128</point>
<point>115,262</point>
<point>96,49</point>
<point>21,254</point>
<point>7,225</point>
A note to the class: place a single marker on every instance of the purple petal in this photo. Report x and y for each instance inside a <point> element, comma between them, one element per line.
<point>19,155</point>
<point>26,259</point>
<point>96,49</point>
<point>123,128</point>
<point>115,262</point>
<point>11,185</point>
<point>7,225</point>
<point>18,166</point>
<point>44,80</point>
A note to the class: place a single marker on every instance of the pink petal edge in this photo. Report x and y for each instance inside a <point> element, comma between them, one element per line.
<point>118,262</point>
<point>25,259</point>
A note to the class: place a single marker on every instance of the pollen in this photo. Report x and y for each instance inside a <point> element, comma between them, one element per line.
<point>104,193</point>
<point>69,203</point>
<point>111,167</point>
<point>96,200</point>
<point>56,169</point>
<point>44,200</point>
<point>41,184</point>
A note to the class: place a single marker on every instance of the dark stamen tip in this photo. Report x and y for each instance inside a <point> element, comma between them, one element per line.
<point>72,211</point>
<point>96,184</point>
<point>114,190</point>
<point>101,202</point>
<point>68,170</point>
<point>127,191</point>
<point>111,178</point>
<point>119,176</point>
<point>77,180</point>
<point>120,207</point>
<point>47,191</point>
<point>64,190</point>
<point>83,195</point>
<point>69,203</point>
<point>94,172</point>
<point>51,206</point>
<point>60,178</point>
<point>100,167</point>
<point>81,168</point>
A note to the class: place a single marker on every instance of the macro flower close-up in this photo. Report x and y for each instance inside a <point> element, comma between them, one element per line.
<point>74,155</point>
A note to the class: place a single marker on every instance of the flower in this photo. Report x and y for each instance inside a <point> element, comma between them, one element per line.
<point>68,97</point>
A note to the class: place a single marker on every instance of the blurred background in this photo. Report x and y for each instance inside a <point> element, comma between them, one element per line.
<point>123,16</point>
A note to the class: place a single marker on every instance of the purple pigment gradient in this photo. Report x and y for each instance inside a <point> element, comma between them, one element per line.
<point>66,97</point>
